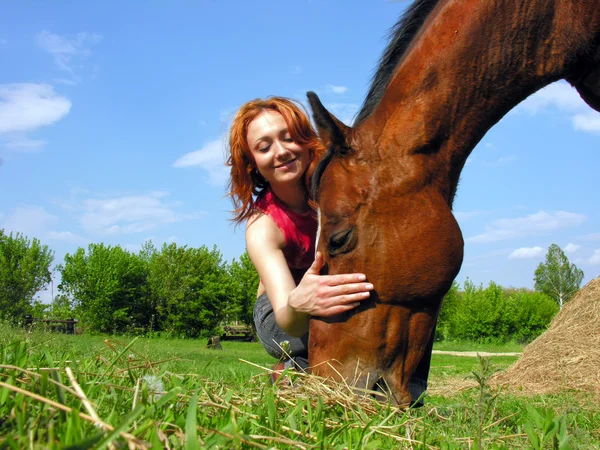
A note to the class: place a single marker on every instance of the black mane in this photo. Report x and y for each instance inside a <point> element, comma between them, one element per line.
<point>400,37</point>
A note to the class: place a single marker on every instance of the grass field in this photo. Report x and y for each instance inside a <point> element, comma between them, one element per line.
<point>77,392</point>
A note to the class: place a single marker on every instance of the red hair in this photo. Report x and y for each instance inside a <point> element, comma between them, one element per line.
<point>245,182</point>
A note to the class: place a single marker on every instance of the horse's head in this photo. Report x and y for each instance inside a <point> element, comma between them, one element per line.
<point>384,215</point>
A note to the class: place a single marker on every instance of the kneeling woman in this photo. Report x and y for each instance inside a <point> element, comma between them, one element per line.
<point>273,152</point>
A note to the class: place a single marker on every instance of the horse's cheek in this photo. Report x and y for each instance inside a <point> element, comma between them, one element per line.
<point>418,261</point>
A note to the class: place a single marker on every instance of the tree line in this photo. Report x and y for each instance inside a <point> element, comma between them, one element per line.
<point>188,292</point>
<point>177,290</point>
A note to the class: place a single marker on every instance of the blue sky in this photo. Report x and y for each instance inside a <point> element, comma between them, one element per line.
<point>113,118</point>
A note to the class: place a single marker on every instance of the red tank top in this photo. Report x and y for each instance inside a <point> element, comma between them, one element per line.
<point>299,231</point>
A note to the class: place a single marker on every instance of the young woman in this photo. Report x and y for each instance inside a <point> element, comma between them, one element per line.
<point>273,152</point>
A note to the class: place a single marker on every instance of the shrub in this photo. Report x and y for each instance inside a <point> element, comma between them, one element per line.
<point>530,313</point>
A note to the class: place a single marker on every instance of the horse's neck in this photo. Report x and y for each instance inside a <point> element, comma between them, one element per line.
<point>473,61</point>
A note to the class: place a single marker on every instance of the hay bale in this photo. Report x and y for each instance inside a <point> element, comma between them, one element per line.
<point>567,355</point>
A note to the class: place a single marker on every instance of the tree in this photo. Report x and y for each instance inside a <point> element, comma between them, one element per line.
<point>557,277</point>
<point>480,313</point>
<point>449,309</point>
<point>188,287</point>
<point>243,286</point>
<point>529,314</point>
<point>24,270</point>
<point>108,288</point>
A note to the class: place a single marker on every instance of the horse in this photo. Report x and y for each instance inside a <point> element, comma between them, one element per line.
<point>385,187</point>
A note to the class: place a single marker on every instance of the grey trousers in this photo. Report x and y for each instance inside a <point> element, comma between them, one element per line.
<point>271,337</point>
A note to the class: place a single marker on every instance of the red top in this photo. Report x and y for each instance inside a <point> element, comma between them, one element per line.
<point>299,231</point>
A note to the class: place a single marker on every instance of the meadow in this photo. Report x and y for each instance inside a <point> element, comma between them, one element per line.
<point>81,391</point>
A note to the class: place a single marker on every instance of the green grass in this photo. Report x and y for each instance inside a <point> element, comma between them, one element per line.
<point>154,392</point>
<point>508,347</point>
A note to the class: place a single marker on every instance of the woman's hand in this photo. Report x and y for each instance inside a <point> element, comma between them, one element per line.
<point>328,295</point>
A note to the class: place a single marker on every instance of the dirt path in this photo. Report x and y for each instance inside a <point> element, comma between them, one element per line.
<point>473,354</point>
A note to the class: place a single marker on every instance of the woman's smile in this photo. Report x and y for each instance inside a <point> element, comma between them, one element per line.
<point>286,165</point>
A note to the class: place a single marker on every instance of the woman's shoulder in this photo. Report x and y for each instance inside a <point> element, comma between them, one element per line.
<point>262,229</point>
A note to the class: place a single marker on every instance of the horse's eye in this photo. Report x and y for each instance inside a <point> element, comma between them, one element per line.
<point>341,242</point>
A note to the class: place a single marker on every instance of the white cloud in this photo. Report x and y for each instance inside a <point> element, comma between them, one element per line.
<point>541,222</point>
<point>343,111</point>
<point>462,216</point>
<point>36,222</point>
<point>565,98</point>
<point>129,214</point>
<point>592,237</point>
<point>211,158</point>
<point>227,115</point>
<point>595,258</point>
<point>27,106</point>
<point>23,144</point>
<point>67,52</point>
<point>526,253</point>
<point>589,122</point>
<point>559,95</point>
<point>132,248</point>
<point>31,221</point>
<point>571,248</point>
<point>67,236</point>
<point>337,89</point>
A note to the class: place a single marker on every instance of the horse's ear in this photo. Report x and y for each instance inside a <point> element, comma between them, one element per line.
<point>331,130</point>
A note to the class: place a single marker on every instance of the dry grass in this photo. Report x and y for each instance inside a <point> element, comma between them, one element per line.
<point>567,356</point>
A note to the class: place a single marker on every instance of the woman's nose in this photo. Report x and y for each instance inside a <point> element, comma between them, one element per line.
<point>280,148</point>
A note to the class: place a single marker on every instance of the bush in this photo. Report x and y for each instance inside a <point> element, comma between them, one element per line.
<point>480,314</point>
<point>530,313</point>
<point>494,314</point>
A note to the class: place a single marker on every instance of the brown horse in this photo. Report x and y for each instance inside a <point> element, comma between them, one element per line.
<point>452,69</point>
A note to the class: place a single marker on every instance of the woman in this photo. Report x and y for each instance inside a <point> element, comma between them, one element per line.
<point>273,153</point>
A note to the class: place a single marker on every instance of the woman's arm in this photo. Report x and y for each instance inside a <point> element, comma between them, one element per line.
<point>316,295</point>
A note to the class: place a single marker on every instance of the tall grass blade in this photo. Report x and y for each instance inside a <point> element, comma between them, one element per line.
<point>191,433</point>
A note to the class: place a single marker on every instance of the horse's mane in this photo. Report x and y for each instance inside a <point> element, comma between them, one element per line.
<point>400,37</point>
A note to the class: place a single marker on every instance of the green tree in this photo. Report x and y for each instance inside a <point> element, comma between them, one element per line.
<point>557,277</point>
<point>107,287</point>
<point>242,289</point>
<point>529,314</point>
<point>24,270</point>
<point>449,309</point>
<point>61,308</point>
<point>188,287</point>
<point>480,314</point>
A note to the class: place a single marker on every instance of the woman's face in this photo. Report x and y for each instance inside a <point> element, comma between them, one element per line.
<point>278,158</point>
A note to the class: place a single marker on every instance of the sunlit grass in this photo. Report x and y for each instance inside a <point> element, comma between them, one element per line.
<point>157,393</point>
